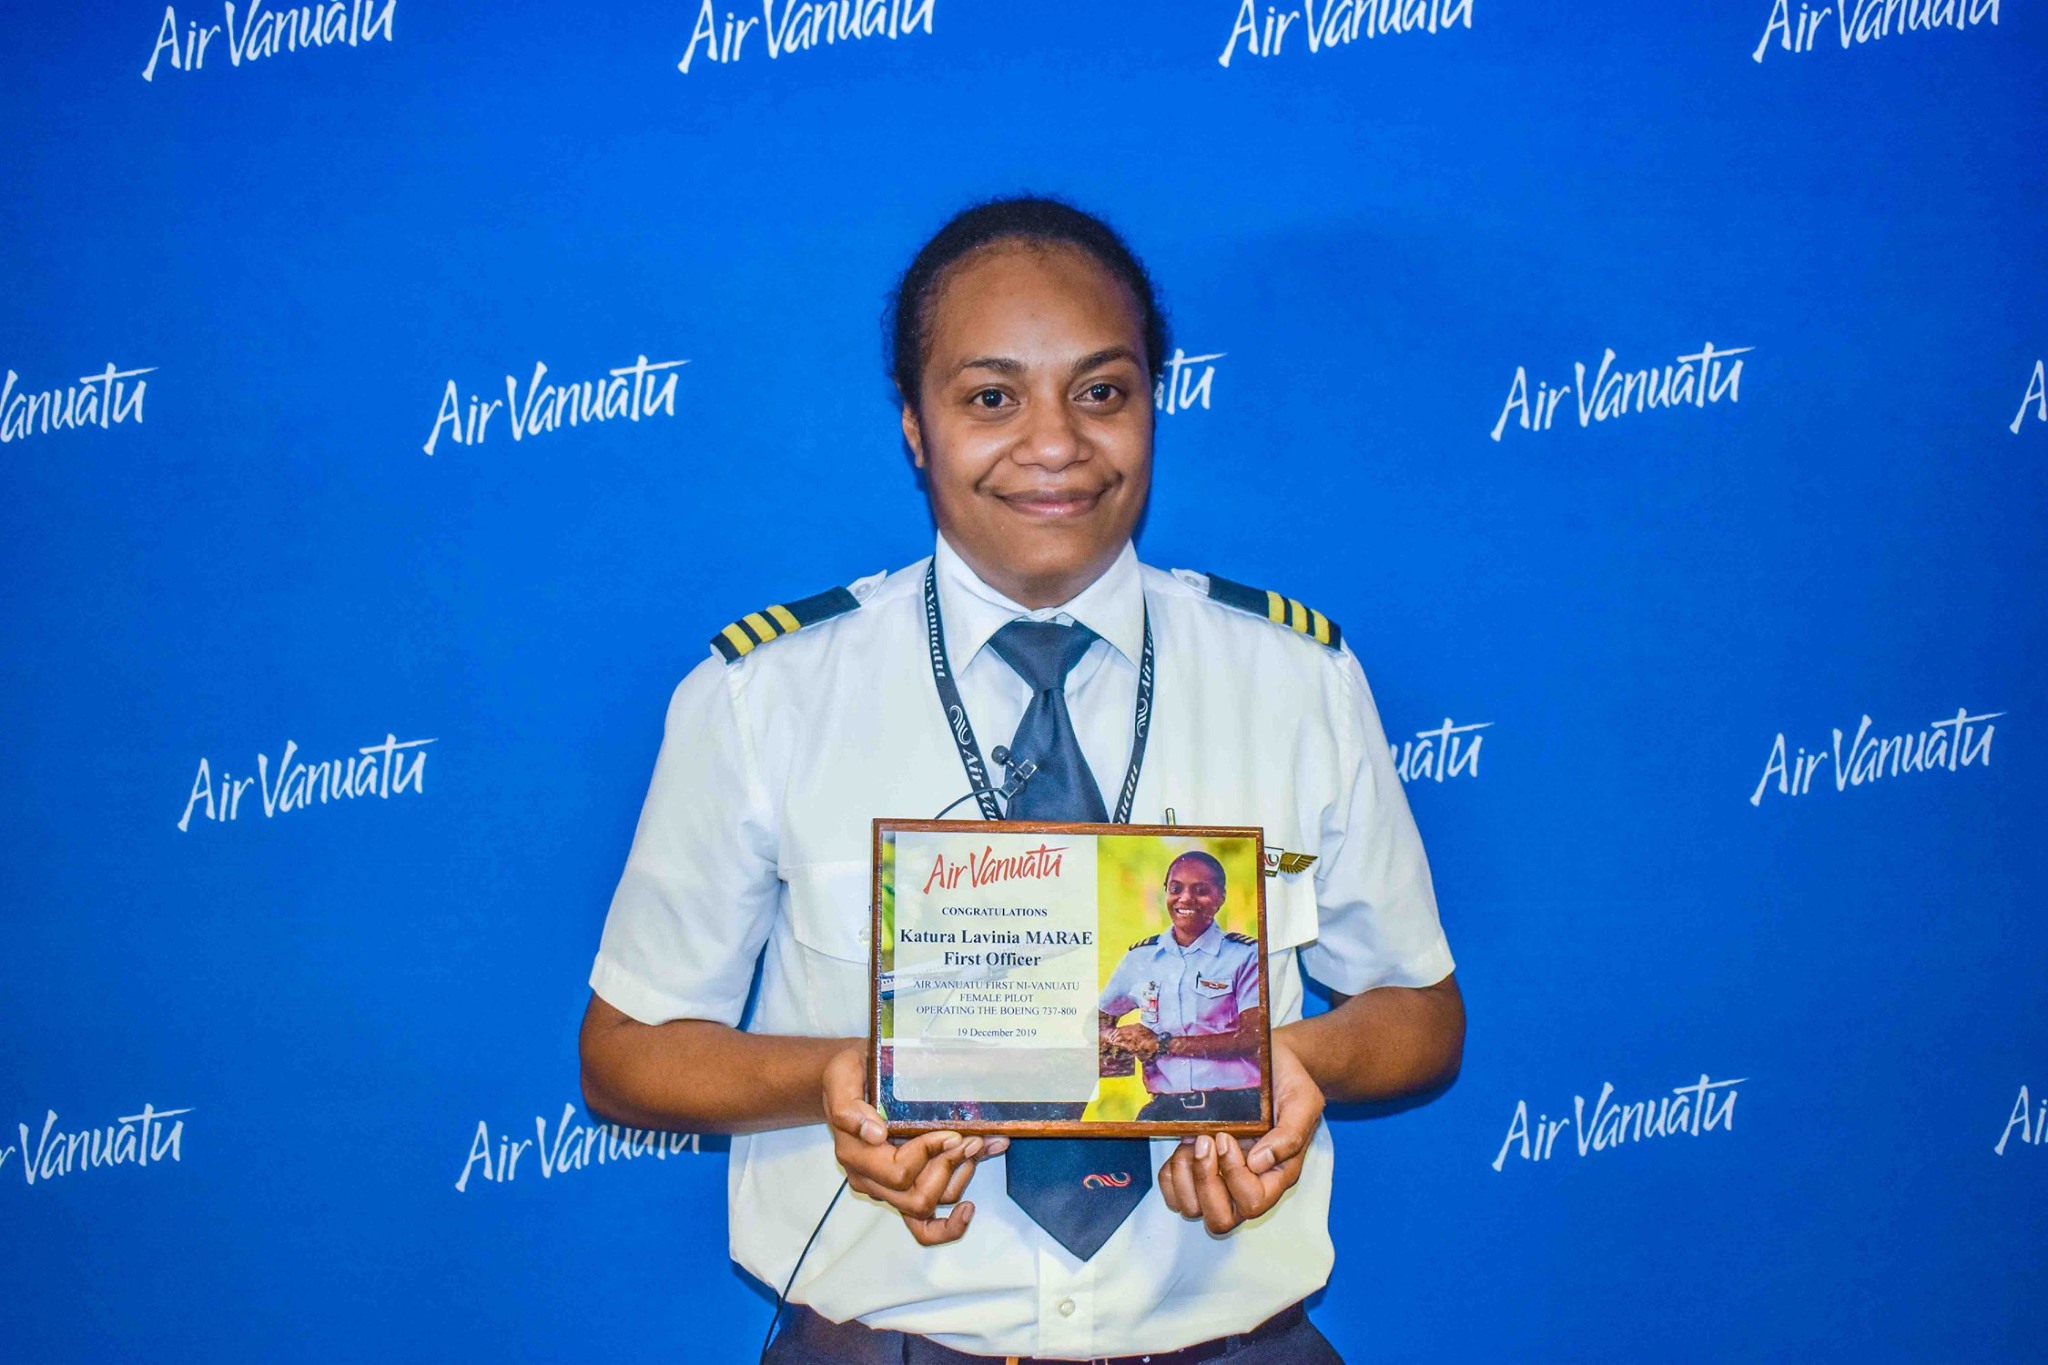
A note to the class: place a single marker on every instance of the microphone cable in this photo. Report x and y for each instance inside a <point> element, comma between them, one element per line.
<point>1018,776</point>
<point>782,1299</point>
<point>1014,783</point>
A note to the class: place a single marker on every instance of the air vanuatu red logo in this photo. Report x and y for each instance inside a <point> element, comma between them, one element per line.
<point>1103,1180</point>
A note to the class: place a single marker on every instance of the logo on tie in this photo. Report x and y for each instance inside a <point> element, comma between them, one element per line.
<point>1102,1180</point>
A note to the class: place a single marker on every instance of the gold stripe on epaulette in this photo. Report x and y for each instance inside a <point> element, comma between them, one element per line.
<point>1276,608</point>
<point>741,641</point>
<point>784,619</point>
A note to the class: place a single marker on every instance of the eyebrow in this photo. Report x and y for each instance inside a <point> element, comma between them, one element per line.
<point>1000,364</point>
<point>1006,365</point>
<point>1104,356</point>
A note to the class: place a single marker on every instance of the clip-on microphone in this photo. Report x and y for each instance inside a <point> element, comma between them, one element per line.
<point>1019,775</point>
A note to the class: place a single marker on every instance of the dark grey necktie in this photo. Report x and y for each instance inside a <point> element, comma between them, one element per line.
<point>1043,653</point>
<point>1079,1190</point>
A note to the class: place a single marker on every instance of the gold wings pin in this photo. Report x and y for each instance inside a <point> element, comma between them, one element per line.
<point>1279,860</point>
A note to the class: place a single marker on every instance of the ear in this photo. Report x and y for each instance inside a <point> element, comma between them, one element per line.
<point>913,435</point>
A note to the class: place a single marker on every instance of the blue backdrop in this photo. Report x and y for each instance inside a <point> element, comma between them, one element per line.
<point>1391,250</point>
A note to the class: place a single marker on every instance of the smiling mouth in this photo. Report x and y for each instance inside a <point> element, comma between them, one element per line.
<point>1054,504</point>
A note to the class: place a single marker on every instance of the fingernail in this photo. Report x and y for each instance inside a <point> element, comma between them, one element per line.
<point>966,1214</point>
<point>952,1141</point>
<point>871,1131</point>
<point>997,1146</point>
<point>1261,1161</point>
<point>973,1147</point>
<point>1203,1147</point>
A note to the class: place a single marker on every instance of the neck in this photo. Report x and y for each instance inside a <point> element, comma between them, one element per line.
<point>1188,940</point>
<point>1034,589</point>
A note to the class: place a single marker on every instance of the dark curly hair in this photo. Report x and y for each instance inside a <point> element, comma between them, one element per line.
<point>906,323</point>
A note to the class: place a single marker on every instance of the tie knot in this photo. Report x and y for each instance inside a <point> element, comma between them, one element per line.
<point>1042,652</point>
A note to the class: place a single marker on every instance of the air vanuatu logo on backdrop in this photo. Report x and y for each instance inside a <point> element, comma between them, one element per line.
<point>1705,377</point>
<point>2027,1122</point>
<point>259,31</point>
<point>569,1146</point>
<point>110,398</point>
<point>1184,382</point>
<point>151,1137</point>
<point>1944,746</point>
<point>799,27</point>
<point>1441,754</point>
<point>1698,1109</point>
<point>1265,30</point>
<point>644,389</point>
<point>384,771</point>
<point>1800,26</point>
<point>2035,398</point>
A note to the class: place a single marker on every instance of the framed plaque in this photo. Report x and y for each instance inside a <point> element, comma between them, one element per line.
<point>1073,980</point>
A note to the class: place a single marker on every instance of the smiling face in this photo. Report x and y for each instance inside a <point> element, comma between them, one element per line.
<point>1194,896</point>
<point>1034,420</point>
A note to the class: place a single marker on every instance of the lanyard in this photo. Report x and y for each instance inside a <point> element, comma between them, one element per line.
<point>963,730</point>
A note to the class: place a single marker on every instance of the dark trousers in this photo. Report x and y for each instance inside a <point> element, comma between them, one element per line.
<point>1203,1106</point>
<point>807,1339</point>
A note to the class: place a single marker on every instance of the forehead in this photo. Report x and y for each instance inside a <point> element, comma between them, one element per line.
<point>1021,294</point>
<point>1191,870</point>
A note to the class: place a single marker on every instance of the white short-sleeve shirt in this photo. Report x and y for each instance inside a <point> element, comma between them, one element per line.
<point>753,847</point>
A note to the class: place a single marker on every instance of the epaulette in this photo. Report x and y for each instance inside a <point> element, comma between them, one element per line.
<point>1145,942</point>
<point>759,627</point>
<point>1285,611</point>
<point>1242,938</point>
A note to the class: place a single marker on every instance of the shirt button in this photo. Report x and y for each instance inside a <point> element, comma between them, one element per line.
<point>1066,1307</point>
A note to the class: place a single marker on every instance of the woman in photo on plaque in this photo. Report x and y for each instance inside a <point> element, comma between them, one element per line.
<point>1196,992</point>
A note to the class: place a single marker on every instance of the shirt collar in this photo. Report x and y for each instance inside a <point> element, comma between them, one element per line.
<point>1209,943</point>
<point>1113,606</point>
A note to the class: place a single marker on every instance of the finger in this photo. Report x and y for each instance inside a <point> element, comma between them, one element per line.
<point>860,1161</point>
<point>929,1189</point>
<point>957,1186</point>
<point>857,1118</point>
<point>1293,1126</point>
<point>1181,1168</point>
<point>932,1232</point>
<point>1279,1180</point>
<point>908,1163</point>
<point>846,1106</point>
<point>996,1146</point>
<point>1249,1194</point>
<point>1217,1214</point>
<point>1166,1182</point>
<point>894,1167</point>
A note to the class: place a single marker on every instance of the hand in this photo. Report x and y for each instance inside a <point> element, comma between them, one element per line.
<point>915,1177</point>
<point>1218,1181</point>
<point>1136,1039</point>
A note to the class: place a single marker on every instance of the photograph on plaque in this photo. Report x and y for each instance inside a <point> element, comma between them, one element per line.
<point>1080,979</point>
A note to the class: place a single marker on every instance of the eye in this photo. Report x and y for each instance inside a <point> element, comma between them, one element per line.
<point>1100,392</point>
<point>989,398</point>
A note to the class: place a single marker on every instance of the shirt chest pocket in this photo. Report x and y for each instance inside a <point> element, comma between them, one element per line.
<point>1209,988</point>
<point>824,963</point>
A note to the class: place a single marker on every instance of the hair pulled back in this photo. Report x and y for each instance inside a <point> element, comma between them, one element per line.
<point>1208,860</point>
<point>1030,219</point>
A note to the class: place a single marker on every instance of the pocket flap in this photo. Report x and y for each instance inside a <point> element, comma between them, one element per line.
<point>829,910</point>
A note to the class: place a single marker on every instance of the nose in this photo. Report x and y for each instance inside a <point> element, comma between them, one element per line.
<point>1051,437</point>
